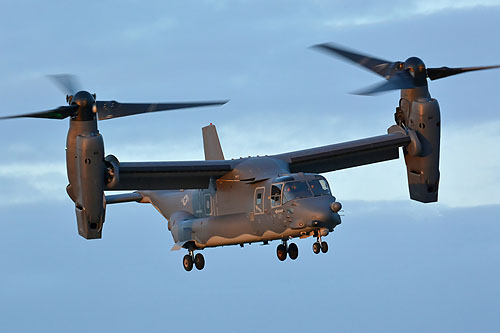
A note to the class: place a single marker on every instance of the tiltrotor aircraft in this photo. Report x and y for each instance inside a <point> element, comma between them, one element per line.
<point>219,202</point>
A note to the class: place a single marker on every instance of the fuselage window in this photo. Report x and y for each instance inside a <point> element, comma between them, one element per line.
<point>259,200</point>
<point>208,204</point>
<point>296,190</point>
<point>276,195</point>
<point>319,187</point>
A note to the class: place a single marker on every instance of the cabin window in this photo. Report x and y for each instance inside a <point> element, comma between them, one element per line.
<point>276,195</point>
<point>208,204</point>
<point>259,200</point>
<point>296,190</point>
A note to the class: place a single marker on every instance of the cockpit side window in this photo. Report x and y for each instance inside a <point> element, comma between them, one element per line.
<point>276,195</point>
<point>296,190</point>
<point>319,187</point>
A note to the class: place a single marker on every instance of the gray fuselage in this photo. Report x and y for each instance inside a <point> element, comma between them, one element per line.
<point>258,201</point>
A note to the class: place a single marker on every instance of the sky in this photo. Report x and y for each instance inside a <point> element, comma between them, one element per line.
<point>394,265</point>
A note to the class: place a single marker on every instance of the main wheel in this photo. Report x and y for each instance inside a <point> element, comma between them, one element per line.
<point>316,247</point>
<point>293,251</point>
<point>187,262</point>
<point>199,261</point>
<point>281,252</point>
<point>324,247</point>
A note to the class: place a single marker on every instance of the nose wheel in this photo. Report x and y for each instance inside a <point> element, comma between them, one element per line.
<point>283,250</point>
<point>316,247</point>
<point>191,260</point>
<point>320,246</point>
<point>324,247</point>
<point>187,262</point>
<point>199,261</point>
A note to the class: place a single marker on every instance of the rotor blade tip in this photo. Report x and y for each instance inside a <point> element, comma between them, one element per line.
<point>361,93</point>
<point>67,83</point>
<point>321,46</point>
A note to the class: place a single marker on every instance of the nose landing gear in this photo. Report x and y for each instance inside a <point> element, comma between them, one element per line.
<point>282,250</point>
<point>189,259</point>
<point>320,245</point>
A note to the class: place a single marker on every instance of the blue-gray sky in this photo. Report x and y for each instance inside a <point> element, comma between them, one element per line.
<point>395,265</point>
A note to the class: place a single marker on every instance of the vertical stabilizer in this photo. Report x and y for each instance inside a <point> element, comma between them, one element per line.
<point>211,144</point>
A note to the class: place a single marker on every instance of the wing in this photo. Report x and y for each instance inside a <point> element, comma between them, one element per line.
<point>197,174</point>
<point>347,154</point>
<point>165,175</point>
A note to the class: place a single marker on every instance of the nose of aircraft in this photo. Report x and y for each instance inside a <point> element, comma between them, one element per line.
<point>315,212</point>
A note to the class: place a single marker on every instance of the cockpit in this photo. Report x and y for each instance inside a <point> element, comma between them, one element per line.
<point>287,188</point>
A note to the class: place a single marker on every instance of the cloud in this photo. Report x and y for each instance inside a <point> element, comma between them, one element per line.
<point>29,182</point>
<point>389,12</point>
<point>431,7</point>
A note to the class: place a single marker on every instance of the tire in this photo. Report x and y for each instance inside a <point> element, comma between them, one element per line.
<point>199,261</point>
<point>281,252</point>
<point>187,262</point>
<point>316,247</point>
<point>324,247</point>
<point>293,251</point>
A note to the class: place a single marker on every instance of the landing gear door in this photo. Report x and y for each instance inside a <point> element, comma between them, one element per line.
<point>259,200</point>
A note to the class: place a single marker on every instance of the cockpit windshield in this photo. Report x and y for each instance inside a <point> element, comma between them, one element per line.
<point>319,187</point>
<point>295,190</point>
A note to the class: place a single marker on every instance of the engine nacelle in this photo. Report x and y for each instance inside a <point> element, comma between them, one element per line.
<point>422,156</point>
<point>90,202</point>
<point>86,168</point>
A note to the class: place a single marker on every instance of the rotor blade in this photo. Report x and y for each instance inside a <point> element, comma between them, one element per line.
<point>441,72</point>
<point>402,80</point>
<point>67,83</point>
<point>59,113</point>
<point>381,67</point>
<point>114,109</point>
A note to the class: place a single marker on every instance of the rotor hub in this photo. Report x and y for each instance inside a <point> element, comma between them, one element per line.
<point>416,67</point>
<point>86,103</point>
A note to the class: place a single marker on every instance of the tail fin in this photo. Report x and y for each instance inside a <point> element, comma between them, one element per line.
<point>211,143</point>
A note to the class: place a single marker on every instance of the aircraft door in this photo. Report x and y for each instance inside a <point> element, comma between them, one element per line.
<point>259,200</point>
<point>276,209</point>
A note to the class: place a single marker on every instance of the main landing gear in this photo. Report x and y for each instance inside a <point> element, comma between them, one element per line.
<point>282,250</point>
<point>189,259</point>
<point>320,246</point>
